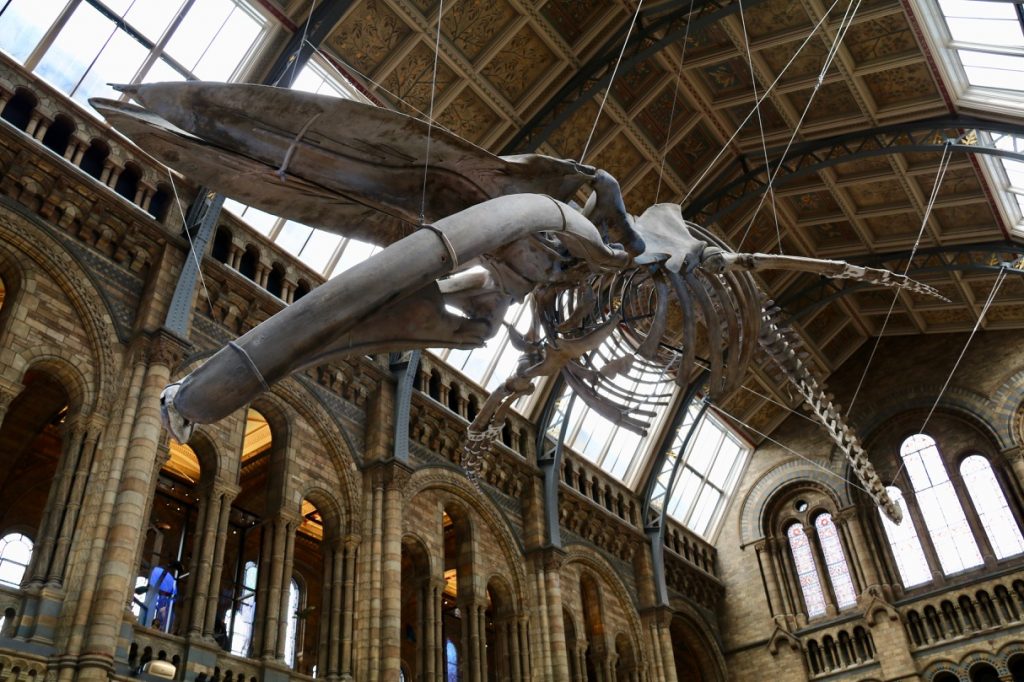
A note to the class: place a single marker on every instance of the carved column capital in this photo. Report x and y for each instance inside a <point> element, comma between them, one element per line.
<point>167,349</point>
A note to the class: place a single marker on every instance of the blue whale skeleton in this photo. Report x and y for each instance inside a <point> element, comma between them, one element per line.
<point>611,294</point>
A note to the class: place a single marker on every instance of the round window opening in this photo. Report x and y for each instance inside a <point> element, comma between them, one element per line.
<point>800,505</point>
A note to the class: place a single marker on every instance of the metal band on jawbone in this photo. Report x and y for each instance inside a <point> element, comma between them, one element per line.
<point>252,365</point>
<point>447,243</point>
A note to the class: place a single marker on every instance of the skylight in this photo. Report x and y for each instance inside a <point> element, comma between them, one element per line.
<point>980,47</point>
<point>130,41</point>
<point>711,466</point>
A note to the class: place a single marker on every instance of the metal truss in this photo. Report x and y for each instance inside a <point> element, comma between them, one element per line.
<point>931,135</point>
<point>549,455</point>
<point>403,368</point>
<point>985,257</point>
<point>304,41</point>
<point>655,29</point>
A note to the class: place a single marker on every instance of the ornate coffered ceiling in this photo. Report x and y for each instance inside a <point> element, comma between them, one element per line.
<point>509,78</point>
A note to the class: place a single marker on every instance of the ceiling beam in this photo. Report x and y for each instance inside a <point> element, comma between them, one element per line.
<point>307,37</point>
<point>807,158</point>
<point>655,30</point>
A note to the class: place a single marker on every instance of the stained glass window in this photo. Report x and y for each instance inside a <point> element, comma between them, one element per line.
<point>806,572</point>
<point>906,547</point>
<point>15,554</point>
<point>990,502</point>
<point>947,526</point>
<point>835,561</point>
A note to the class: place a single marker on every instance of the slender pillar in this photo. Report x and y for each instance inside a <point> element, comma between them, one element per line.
<point>76,499</point>
<point>553,589</point>
<point>272,565</point>
<point>819,566</point>
<point>130,514</point>
<point>771,582</point>
<point>226,495</point>
<point>337,609</point>
<point>348,616</point>
<point>291,526</point>
<point>391,571</point>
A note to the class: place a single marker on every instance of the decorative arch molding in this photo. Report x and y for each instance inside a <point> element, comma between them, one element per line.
<point>209,456</point>
<point>698,629</point>
<point>66,372</point>
<point>414,539</point>
<point>1008,402</point>
<point>943,666</point>
<point>759,497</point>
<point>982,657</point>
<point>341,451</point>
<point>335,514</point>
<point>590,559</point>
<point>975,407</point>
<point>455,484</point>
<point>27,239</point>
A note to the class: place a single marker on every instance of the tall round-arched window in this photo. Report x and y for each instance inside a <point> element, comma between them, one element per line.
<point>940,507</point>
<point>906,547</point>
<point>835,561</point>
<point>292,635</point>
<point>451,661</point>
<point>15,554</point>
<point>990,503</point>
<point>807,574</point>
<point>239,621</point>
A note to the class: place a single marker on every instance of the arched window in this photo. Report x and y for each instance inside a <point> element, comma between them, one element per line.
<point>943,515</point>
<point>835,561</point>
<point>990,503</point>
<point>451,661</point>
<point>15,554</point>
<point>806,572</point>
<point>238,621</point>
<point>292,635</point>
<point>906,547</point>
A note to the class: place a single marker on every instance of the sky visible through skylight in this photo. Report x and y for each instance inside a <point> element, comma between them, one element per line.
<point>988,39</point>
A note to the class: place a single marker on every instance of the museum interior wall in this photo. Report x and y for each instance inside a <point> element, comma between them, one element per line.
<point>287,542</point>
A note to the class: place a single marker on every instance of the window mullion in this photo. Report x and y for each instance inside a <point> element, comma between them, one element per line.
<point>51,34</point>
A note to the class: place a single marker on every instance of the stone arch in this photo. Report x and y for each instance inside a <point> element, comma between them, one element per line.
<point>754,505</point>
<point>332,511</point>
<point>937,668</point>
<point>342,452</point>
<point>27,241</point>
<point>209,456</point>
<point>69,376</point>
<point>964,402</point>
<point>774,518</point>
<point>592,561</point>
<point>978,658</point>
<point>455,484</point>
<point>689,624</point>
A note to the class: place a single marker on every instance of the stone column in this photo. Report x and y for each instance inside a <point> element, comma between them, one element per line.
<point>552,564</point>
<point>396,476</point>
<point>349,591</point>
<point>775,606</point>
<point>130,515</point>
<point>291,528</point>
<point>73,433</point>
<point>777,549</point>
<point>75,500</point>
<point>925,538</point>
<point>433,588</point>
<point>335,611</point>
<point>522,644</point>
<point>221,514</point>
